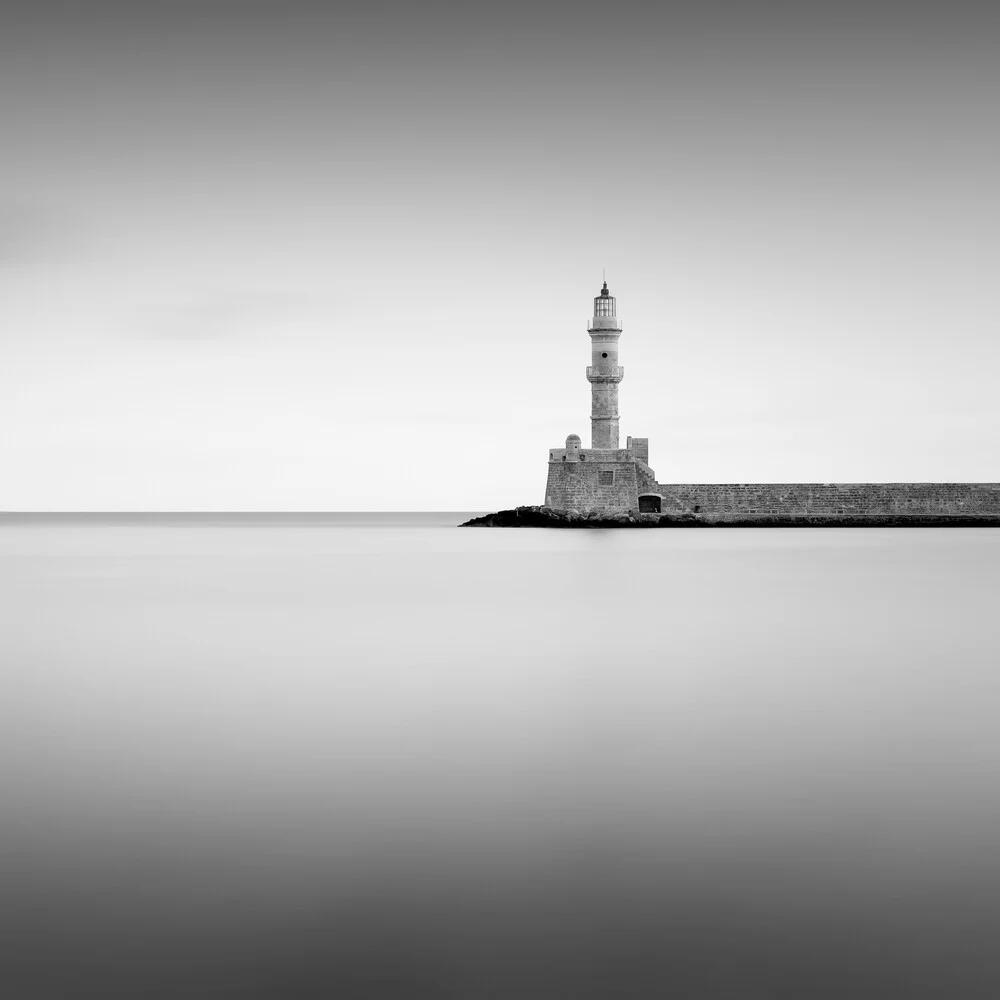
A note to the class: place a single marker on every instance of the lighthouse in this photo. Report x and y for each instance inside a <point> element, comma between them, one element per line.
<point>605,478</point>
<point>610,480</point>
<point>604,373</point>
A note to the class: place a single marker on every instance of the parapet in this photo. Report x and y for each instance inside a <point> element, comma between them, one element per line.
<point>604,455</point>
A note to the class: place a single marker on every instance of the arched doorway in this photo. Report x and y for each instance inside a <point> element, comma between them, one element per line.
<point>649,503</point>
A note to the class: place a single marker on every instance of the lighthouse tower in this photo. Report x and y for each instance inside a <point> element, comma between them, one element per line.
<point>605,478</point>
<point>604,372</point>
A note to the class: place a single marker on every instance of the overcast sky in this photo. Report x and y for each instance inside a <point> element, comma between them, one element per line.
<point>270,256</point>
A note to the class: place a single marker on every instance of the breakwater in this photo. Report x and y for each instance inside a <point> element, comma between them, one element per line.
<point>548,517</point>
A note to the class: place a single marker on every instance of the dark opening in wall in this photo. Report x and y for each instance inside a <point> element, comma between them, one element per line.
<point>606,478</point>
<point>605,354</point>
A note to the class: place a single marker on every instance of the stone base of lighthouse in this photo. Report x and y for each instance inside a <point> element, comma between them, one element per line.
<point>600,480</point>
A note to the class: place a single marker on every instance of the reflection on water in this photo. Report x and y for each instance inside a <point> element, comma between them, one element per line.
<point>375,755</point>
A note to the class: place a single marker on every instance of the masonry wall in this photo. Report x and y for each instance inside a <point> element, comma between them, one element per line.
<point>577,485</point>
<point>728,500</point>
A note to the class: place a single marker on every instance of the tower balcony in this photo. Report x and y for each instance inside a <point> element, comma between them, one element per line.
<point>604,324</point>
<point>615,374</point>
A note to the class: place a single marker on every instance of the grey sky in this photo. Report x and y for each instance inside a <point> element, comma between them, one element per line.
<point>272,256</point>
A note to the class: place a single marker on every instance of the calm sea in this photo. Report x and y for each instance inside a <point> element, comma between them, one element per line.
<point>374,755</point>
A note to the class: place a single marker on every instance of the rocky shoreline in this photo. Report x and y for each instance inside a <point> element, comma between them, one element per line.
<point>548,517</point>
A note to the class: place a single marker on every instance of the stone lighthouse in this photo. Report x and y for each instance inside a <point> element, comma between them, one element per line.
<point>605,478</point>
<point>610,480</point>
<point>604,373</point>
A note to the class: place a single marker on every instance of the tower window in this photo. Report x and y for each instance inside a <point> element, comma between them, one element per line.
<point>605,354</point>
<point>606,478</point>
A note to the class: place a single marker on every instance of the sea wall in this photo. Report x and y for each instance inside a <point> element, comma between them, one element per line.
<point>728,500</point>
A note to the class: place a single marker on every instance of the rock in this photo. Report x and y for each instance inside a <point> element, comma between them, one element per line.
<point>548,517</point>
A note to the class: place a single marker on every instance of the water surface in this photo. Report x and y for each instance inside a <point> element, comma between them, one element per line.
<point>373,755</point>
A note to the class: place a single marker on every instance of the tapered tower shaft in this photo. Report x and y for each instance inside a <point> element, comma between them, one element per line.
<point>604,373</point>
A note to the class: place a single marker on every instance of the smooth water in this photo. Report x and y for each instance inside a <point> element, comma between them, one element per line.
<point>374,755</point>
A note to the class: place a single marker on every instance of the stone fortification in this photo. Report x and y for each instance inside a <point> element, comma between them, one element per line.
<point>629,484</point>
<point>592,479</point>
